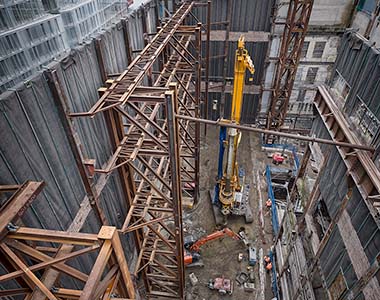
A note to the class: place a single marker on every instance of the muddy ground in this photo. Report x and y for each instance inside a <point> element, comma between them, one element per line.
<point>220,257</point>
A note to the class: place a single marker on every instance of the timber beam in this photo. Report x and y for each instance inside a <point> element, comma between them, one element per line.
<point>22,196</point>
<point>21,249</point>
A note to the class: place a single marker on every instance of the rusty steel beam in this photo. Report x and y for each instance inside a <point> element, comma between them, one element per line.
<point>226,123</point>
<point>225,54</point>
<point>295,29</point>
<point>160,176</point>
<point>207,66</point>
<point>124,86</point>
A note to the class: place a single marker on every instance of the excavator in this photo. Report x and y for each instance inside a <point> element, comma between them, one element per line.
<point>192,248</point>
<point>230,195</point>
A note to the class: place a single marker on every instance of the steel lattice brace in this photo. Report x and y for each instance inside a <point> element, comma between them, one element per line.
<point>290,52</point>
<point>157,157</point>
<point>126,84</point>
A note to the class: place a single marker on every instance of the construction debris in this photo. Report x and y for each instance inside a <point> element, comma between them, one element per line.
<point>193,279</point>
<point>241,278</point>
<point>222,285</point>
<point>249,287</point>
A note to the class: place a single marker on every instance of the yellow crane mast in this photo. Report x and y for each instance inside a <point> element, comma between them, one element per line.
<point>229,183</point>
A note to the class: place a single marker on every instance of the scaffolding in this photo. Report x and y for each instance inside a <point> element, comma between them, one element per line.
<point>157,156</point>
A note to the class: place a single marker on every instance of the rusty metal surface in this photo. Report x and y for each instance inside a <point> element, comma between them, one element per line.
<point>156,154</point>
<point>124,86</point>
<point>295,29</point>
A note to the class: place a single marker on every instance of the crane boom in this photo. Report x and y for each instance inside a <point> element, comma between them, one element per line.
<point>242,62</point>
<point>215,235</point>
<point>229,183</point>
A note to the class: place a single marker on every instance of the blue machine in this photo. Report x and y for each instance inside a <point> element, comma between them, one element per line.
<point>222,138</point>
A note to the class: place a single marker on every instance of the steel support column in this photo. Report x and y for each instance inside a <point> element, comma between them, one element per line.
<point>290,52</point>
<point>142,136</point>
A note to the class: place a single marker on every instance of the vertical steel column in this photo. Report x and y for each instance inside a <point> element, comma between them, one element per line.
<point>50,275</point>
<point>146,41</point>
<point>225,61</point>
<point>116,134</point>
<point>62,106</point>
<point>207,67</point>
<point>295,29</point>
<point>124,23</point>
<point>198,71</point>
<point>175,168</point>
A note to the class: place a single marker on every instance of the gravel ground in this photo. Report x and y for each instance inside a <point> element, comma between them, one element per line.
<point>220,257</point>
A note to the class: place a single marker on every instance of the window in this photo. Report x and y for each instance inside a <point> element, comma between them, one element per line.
<point>340,88</point>
<point>301,95</point>
<point>311,75</point>
<point>305,47</point>
<point>318,49</point>
<point>367,5</point>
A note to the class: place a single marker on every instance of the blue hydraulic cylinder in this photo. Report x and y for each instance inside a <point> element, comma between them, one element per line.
<point>222,138</point>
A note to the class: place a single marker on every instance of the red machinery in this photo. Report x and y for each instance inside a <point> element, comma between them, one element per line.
<point>192,247</point>
<point>278,158</point>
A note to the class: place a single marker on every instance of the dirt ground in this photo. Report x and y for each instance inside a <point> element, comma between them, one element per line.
<point>220,257</point>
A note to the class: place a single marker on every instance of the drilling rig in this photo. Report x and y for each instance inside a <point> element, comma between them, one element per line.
<point>230,195</point>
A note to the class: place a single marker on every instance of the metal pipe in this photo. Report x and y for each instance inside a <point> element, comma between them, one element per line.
<point>277,133</point>
<point>207,71</point>
<point>62,106</point>
<point>225,61</point>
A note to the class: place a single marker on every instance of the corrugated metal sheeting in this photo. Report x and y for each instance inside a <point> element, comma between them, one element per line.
<point>359,64</point>
<point>34,145</point>
<point>334,187</point>
<point>247,15</point>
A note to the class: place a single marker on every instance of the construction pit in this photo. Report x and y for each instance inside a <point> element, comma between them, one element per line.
<point>220,258</point>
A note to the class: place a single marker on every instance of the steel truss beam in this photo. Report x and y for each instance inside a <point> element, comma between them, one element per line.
<point>25,251</point>
<point>290,52</point>
<point>159,155</point>
<point>125,85</point>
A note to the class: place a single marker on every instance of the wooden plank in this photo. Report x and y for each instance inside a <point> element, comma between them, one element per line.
<point>62,237</point>
<point>126,275</point>
<point>50,275</point>
<point>48,261</point>
<point>18,203</point>
<point>97,271</point>
<point>67,293</point>
<point>106,282</point>
<point>27,271</point>
<point>9,187</point>
<point>14,292</point>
